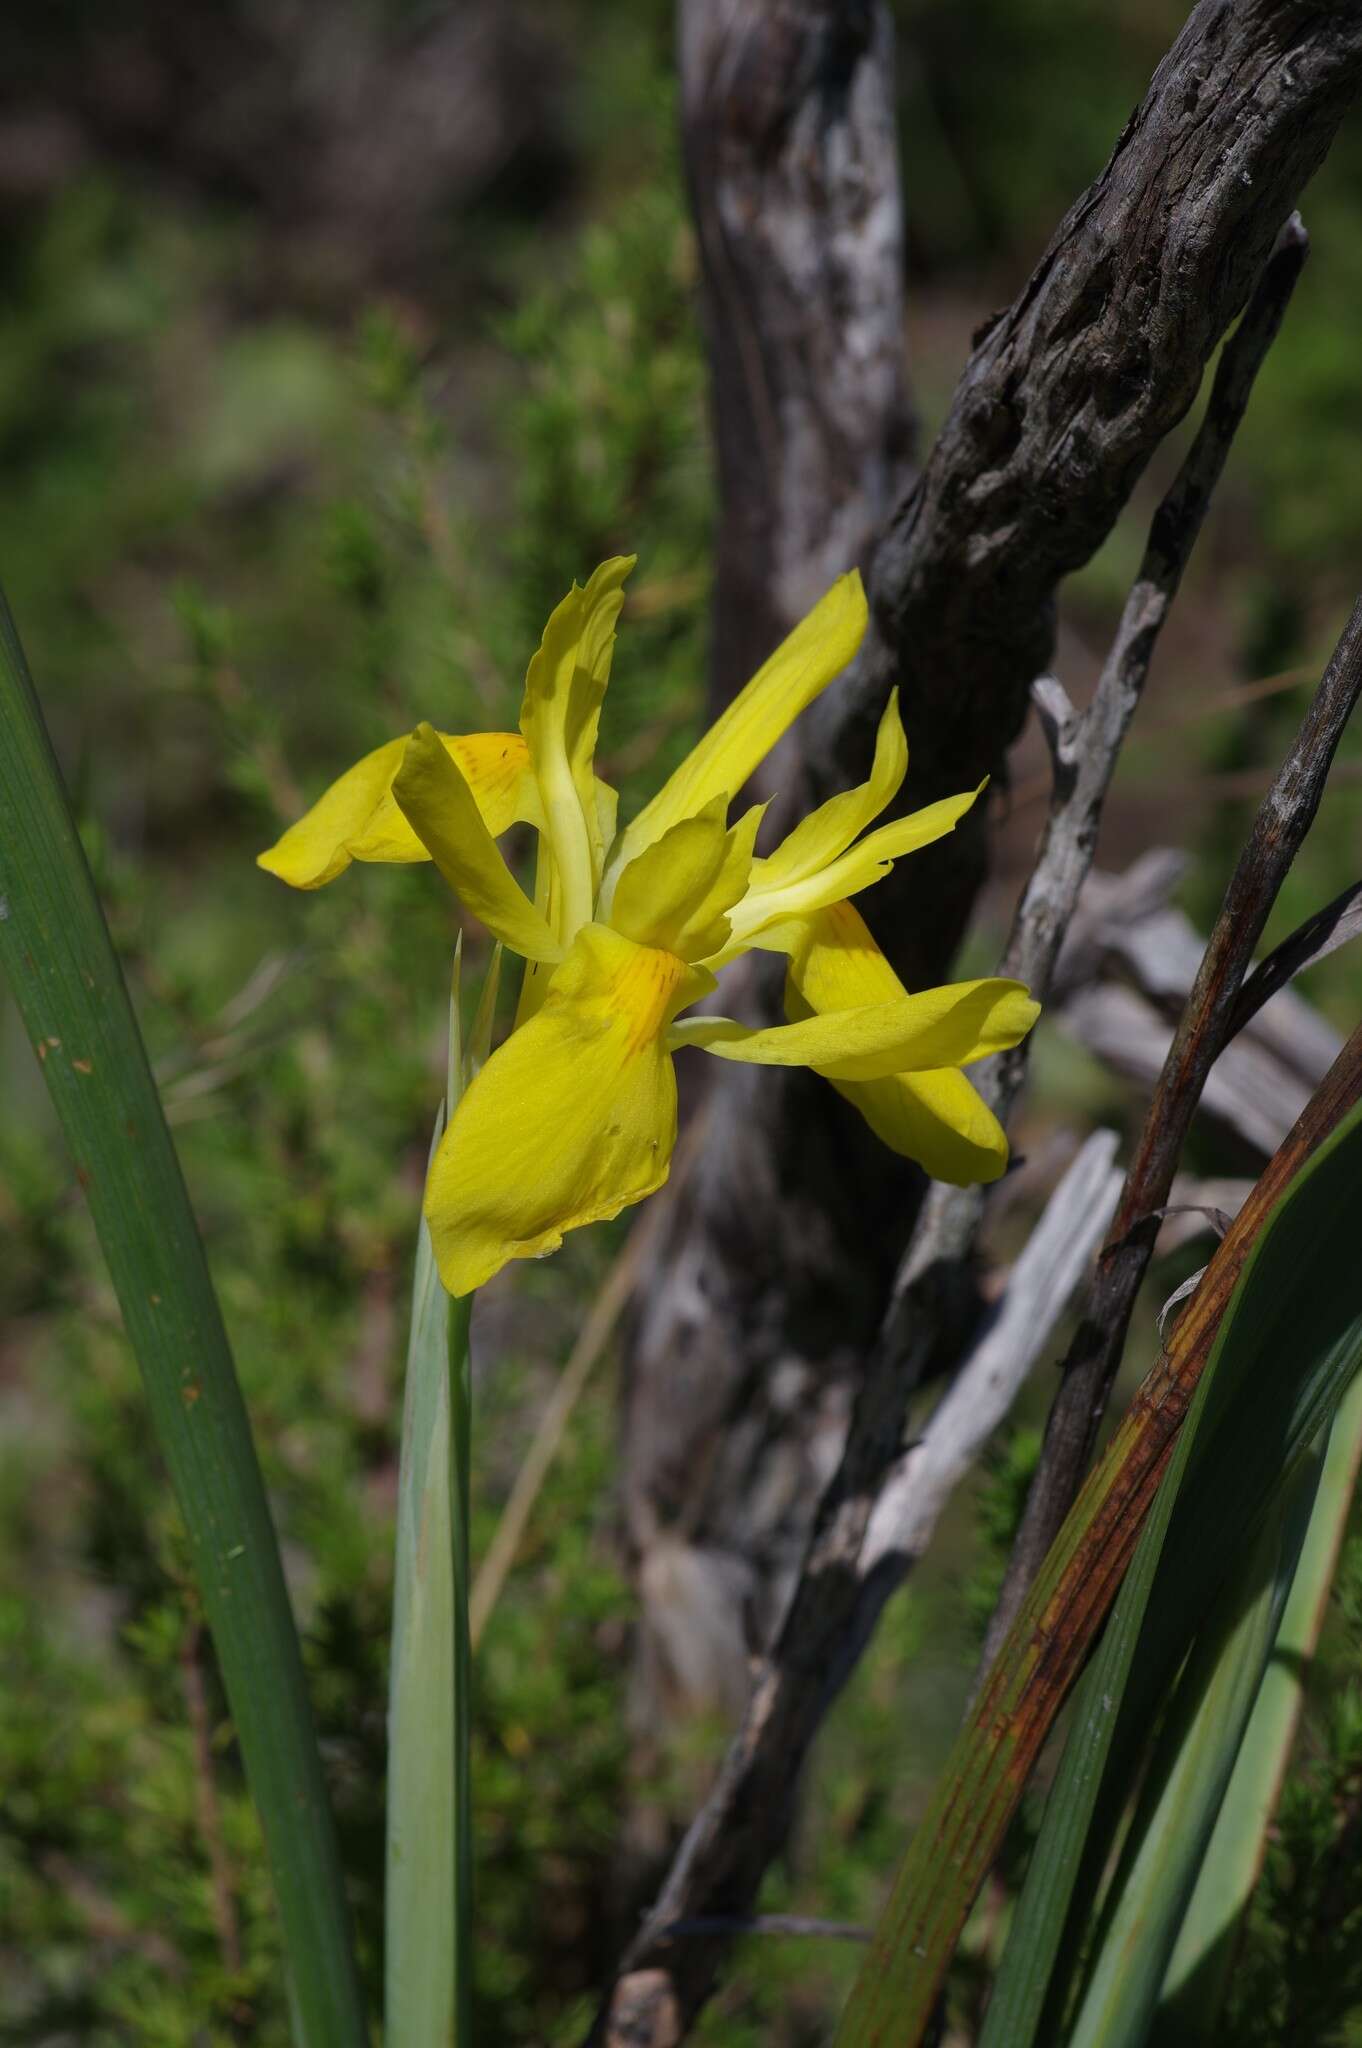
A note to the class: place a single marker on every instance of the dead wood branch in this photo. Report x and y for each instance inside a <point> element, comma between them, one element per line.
<point>1042,1283</point>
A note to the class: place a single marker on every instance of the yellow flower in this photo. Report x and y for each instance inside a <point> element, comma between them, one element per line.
<point>575,1115</point>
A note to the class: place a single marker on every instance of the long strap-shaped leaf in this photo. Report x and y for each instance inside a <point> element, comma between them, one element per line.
<point>57,955</point>
<point>1190,1767</point>
<point>895,1994</point>
<point>1289,1340</point>
<point>1199,1973</point>
<point>1019,1992</point>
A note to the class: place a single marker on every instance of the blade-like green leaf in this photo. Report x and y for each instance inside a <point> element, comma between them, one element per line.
<point>419,1910</point>
<point>428,1970</point>
<point>1019,1995</point>
<point>1194,1757</point>
<point>1198,1975</point>
<point>1296,1324</point>
<point>56,953</point>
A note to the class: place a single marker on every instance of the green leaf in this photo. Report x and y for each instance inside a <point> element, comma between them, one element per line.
<point>57,955</point>
<point>1198,1975</point>
<point>1193,1759</point>
<point>1018,2000</point>
<point>428,1969</point>
<point>427,1772</point>
<point>1285,1351</point>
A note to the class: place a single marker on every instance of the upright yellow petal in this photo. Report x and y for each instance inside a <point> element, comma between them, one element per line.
<point>564,687</point>
<point>770,902</point>
<point>678,891</point>
<point>357,818</point>
<point>744,733</point>
<point>935,1117</point>
<point>570,1120</point>
<point>941,1027</point>
<point>819,839</point>
<point>440,807</point>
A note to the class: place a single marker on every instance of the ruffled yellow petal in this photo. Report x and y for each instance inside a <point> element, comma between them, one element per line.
<point>810,658</point>
<point>441,809</point>
<point>564,686</point>
<point>826,833</point>
<point>570,1120</point>
<point>358,818</point>
<point>772,902</point>
<point>677,893</point>
<point>935,1117</point>
<point>941,1027</point>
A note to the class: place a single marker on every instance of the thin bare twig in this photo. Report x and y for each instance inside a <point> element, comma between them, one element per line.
<point>930,1318</point>
<point>1314,940</point>
<point>1279,829</point>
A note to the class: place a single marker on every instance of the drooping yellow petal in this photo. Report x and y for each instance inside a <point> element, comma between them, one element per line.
<point>570,1120</point>
<point>564,686</point>
<point>941,1027</point>
<point>441,810</point>
<point>826,833</point>
<point>357,818</point>
<point>809,659</point>
<point>768,904</point>
<point>937,1117</point>
<point>678,891</point>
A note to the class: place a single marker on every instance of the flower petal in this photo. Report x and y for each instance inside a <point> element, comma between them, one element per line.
<point>442,811</point>
<point>941,1027</point>
<point>570,1120</point>
<point>869,860</point>
<point>564,686</point>
<point>357,818</point>
<point>937,1118</point>
<point>677,893</point>
<point>827,832</point>
<point>743,734</point>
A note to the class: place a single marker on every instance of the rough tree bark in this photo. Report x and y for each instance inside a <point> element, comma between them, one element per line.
<point>1066,397</point>
<point>791,155</point>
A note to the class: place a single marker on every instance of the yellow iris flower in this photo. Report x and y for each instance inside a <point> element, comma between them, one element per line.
<point>574,1116</point>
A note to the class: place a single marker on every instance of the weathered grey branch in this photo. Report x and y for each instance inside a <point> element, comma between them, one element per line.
<point>1065,399</point>
<point>1284,818</point>
<point>791,154</point>
<point>1123,976</point>
<point>1086,756</point>
<point>1085,747</point>
<point>1047,1274</point>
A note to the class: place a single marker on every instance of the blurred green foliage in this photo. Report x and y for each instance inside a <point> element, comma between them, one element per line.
<point>249,533</point>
